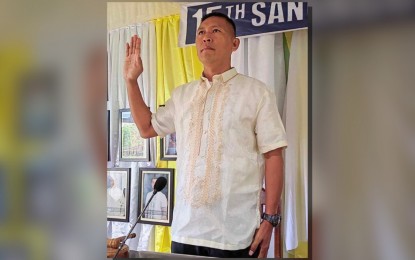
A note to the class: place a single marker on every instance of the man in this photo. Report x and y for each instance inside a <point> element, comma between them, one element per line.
<point>226,125</point>
<point>157,209</point>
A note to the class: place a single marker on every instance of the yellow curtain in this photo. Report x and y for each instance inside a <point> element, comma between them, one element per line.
<point>175,66</point>
<point>300,252</point>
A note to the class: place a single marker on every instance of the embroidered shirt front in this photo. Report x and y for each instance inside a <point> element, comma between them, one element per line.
<point>222,129</point>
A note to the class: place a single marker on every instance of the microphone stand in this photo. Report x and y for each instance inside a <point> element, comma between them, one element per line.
<point>131,230</point>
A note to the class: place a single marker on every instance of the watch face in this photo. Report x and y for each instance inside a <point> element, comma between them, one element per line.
<point>276,220</point>
<point>273,219</point>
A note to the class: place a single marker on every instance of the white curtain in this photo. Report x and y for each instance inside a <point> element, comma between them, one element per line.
<point>118,100</point>
<point>295,207</point>
<point>262,57</point>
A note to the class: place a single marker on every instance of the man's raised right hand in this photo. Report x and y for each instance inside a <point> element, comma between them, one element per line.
<point>133,66</point>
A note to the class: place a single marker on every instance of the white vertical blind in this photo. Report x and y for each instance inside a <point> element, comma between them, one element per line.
<point>118,100</point>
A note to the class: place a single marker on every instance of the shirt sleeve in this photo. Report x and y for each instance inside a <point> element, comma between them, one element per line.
<point>163,120</point>
<point>269,128</point>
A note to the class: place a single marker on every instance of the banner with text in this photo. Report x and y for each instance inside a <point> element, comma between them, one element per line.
<point>251,18</point>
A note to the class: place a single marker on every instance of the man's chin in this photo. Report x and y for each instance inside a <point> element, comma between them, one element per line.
<point>207,60</point>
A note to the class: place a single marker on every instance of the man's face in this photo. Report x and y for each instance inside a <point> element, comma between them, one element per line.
<point>215,40</point>
<point>153,181</point>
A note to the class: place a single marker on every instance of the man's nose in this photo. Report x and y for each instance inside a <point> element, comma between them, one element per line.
<point>207,38</point>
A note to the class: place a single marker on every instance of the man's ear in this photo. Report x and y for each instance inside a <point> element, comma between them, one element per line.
<point>235,44</point>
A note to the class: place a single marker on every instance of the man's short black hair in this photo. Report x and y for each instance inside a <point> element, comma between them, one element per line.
<point>216,14</point>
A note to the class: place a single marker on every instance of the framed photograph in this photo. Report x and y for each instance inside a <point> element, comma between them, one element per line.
<point>160,209</point>
<point>118,194</point>
<point>132,146</point>
<point>168,150</point>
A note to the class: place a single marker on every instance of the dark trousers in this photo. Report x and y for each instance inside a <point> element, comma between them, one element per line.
<point>180,248</point>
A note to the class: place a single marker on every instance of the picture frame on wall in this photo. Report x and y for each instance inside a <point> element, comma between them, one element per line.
<point>132,146</point>
<point>168,151</point>
<point>160,209</point>
<point>118,194</point>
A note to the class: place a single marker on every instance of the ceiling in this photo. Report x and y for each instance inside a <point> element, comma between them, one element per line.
<point>123,14</point>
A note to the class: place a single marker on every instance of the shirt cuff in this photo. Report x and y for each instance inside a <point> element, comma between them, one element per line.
<point>265,149</point>
<point>156,126</point>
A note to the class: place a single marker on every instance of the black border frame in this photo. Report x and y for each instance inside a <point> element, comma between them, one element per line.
<point>127,202</point>
<point>170,198</point>
<point>147,141</point>
<point>163,156</point>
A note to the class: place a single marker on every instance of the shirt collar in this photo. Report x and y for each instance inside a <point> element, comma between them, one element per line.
<point>224,77</point>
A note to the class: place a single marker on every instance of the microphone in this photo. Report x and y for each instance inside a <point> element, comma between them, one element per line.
<point>158,186</point>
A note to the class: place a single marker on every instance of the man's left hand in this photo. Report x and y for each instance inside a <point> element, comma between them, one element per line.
<point>262,239</point>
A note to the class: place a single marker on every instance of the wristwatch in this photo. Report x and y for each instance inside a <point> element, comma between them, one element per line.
<point>273,219</point>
